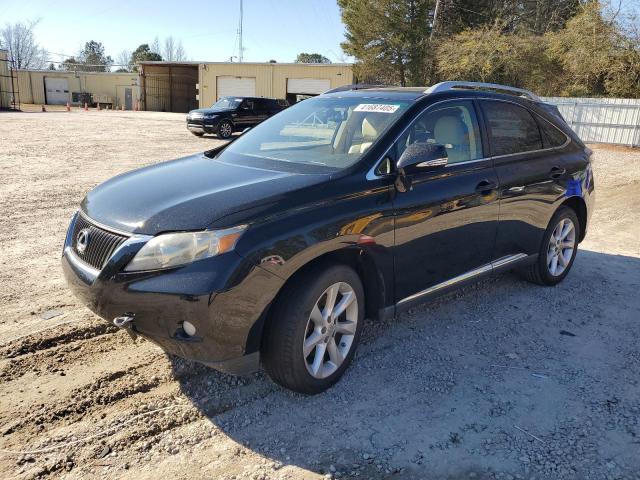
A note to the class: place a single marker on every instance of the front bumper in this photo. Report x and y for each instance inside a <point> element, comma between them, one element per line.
<point>224,297</point>
<point>203,125</point>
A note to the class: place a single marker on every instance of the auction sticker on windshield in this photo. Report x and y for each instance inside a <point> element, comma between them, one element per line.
<point>376,107</point>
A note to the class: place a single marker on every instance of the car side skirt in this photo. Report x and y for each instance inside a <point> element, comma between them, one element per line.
<point>496,266</point>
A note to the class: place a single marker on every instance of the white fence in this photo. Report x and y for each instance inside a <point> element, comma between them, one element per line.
<point>602,120</point>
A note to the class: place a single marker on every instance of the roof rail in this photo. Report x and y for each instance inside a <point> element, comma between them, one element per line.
<point>354,86</point>
<point>447,86</point>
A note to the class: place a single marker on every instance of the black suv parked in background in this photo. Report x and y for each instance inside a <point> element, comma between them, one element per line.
<point>275,247</point>
<point>232,114</point>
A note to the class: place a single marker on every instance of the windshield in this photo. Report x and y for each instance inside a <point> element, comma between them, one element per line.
<point>328,131</point>
<point>227,103</point>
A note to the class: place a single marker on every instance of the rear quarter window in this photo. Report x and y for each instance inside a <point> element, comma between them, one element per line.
<point>511,128</point>
<point>551,135</point>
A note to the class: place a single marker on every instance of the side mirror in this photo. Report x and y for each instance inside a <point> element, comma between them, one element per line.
<point>419,157</point>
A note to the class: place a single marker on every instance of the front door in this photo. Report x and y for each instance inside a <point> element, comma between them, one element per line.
<point>446,224</point>
<point>246,114</point>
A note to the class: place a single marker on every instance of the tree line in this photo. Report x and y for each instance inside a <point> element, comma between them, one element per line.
<point>554,47</point>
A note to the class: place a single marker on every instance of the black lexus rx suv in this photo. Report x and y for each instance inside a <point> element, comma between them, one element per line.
<point>232,114</point>
<point>273,249</point>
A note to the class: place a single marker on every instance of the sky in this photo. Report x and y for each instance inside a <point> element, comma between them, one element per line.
<point>273,29</point>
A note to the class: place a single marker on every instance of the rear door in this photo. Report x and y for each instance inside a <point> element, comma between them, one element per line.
<point>246,113</point>
<point>531,173</point>
<point>446,224</point>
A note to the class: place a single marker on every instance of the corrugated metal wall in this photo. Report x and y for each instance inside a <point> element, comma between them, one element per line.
<point>5,80</point>
<point>602,120</point>
<point>271,78</point>
<point>31,84</point>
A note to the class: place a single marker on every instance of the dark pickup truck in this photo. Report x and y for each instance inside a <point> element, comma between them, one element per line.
<point>232,114</point>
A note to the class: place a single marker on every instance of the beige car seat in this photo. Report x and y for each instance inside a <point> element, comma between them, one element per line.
<point>452,132</point>
<point>372,126</point>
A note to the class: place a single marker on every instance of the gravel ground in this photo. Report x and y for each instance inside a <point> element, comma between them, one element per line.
<point>502,380</point>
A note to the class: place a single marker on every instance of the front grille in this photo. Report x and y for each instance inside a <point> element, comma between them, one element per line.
<point>100,245</point>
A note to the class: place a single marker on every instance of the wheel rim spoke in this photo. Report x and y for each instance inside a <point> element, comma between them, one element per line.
<point>346,328</point>
<point>346,300</point>
<point>311,342</point>
<point>334,353</point>
<point>554,264</point>
<point>318,360</point>
<point>332,294</point>
<point>316,316</point>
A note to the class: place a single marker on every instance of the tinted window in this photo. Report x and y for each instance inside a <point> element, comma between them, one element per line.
<point>512,129</point>
<point>551,136</point>
<point>453,125</point>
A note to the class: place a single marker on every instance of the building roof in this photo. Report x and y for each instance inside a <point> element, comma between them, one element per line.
<point>191,63</point>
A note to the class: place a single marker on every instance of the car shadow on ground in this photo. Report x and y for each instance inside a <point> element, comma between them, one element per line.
<point>494,379</point>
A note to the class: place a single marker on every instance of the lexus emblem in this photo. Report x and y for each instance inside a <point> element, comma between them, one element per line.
<point>82,240</point>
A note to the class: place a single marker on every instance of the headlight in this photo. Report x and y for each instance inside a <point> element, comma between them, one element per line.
<point>173,249</point>
<point>210,116</point>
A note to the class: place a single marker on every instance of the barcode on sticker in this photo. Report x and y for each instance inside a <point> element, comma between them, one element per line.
<point>376,107</point>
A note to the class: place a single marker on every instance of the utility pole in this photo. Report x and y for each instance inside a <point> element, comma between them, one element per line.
<point>435,18</point>
<point>240,35</point>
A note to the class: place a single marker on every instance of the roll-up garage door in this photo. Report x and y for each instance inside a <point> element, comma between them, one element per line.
<point>308,86</point>
<point>236,86</point>
<point>57,90</point>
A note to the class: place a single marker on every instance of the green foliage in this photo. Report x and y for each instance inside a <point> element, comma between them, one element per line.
<point>554,47</point>
<point>144,54</point>
<point>311,58</point>
<point>93,59</point>
<point>596,57</point>
<point>488,55</point>
<point>389,38</point>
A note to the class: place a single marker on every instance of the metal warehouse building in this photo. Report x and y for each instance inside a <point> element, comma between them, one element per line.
<point>57,88</point>
<point>180,86</point>
<point>183,86</point>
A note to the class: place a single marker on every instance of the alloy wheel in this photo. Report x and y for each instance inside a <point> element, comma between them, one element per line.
<point>331,330</point>
<point>561,246</point>
<point>226,130</point>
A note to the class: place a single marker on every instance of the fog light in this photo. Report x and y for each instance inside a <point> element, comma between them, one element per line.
<point>189,328</point>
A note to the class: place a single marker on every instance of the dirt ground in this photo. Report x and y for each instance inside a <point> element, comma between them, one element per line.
<point>502,380</point>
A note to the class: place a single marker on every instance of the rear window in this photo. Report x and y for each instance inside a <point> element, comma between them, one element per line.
<point>512,129</point>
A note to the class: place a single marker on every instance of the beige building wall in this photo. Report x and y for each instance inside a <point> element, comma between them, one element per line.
<point>271,78</point>
<point>31,84</point>
<point>5,80</point>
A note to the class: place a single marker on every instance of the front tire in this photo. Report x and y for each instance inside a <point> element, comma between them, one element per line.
<point>314,329</point>
<point>557,251</point>
<point>225,129</point>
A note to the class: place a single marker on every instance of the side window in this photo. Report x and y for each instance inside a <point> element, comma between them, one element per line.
<point>551,135</point>
<point>453,125</point>
<point>248,104</point>
<point>512,129</point>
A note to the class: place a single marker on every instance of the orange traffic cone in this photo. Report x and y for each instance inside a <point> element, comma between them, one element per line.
<point>137,106</point>
<point>68,107</point>
<point>44,109</point>
<point>86,107</point>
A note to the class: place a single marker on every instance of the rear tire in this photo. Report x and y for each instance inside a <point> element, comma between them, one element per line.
<point>320,315</point>
<point>225,129</point>
<point>557,251</point>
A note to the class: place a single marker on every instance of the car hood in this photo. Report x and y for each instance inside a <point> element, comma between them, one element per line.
<point>212,110</point>
<point>188,194</point>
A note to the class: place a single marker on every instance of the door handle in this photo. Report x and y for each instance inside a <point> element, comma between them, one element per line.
<point>557,172</point>
<point>486,186</point>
